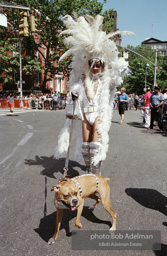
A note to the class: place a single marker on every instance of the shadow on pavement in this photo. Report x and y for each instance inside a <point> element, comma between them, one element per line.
<point>115,122</point>
<point>147,131</point>
<point>137,125</point>
<point>152,199</point>
<point>162,252</point>
<point>11,115</point>
<point>149,198</point>
<point>47,224</point>
<point>52,166</point>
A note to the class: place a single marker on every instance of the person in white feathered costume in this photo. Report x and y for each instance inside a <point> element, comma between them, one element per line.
<point>96,72</point>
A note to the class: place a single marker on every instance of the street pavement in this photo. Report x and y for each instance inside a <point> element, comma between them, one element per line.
<point>135,164</point>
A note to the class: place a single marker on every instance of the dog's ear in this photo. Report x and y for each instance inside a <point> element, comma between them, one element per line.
<point>55,188</point>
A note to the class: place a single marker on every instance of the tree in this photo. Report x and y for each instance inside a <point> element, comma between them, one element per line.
<point>135,79</point>
<point>108,21</point>
<point>8,65</point>
<point>9,57</point>
<point>162,73</point>
<point>48,14</point>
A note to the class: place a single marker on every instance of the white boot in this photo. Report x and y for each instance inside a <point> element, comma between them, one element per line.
<point>94,149</point>
<point>86,154</point>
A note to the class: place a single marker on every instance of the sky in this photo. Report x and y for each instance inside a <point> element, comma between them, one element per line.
<point>146,18</point>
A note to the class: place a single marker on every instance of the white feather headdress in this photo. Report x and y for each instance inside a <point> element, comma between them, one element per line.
<point>87,39</point>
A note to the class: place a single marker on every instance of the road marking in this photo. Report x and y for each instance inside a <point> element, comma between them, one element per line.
<point>21,143</point>
<point>7,157</point>
<point>21,160</point>
<point>20,121</point>
<point>25,139</point>
<point>30,127</point>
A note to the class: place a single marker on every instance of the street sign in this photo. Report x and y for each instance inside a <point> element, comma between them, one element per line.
<point>3,20</point>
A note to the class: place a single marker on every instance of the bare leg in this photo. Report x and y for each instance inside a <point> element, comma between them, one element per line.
<point>86,130</point>
<point>122,118</point>
<point>96,135</point>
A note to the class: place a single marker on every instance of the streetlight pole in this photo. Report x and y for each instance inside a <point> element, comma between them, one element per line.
<point>155,67</point>
<point>21,82</point>
<point>146,76</point>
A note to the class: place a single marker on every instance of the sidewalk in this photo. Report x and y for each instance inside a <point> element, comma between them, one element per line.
<point>6,111</point>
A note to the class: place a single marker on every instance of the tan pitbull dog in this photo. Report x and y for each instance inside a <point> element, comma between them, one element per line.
<point>70,194</point>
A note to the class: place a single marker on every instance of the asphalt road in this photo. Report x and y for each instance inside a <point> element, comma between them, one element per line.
<point>136,164</point>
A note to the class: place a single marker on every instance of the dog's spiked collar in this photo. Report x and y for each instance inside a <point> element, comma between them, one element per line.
<point>78,185</point>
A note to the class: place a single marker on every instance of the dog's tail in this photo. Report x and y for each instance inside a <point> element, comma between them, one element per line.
<point>107,179</point>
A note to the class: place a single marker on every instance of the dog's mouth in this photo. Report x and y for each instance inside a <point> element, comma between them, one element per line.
<point>71,207</point>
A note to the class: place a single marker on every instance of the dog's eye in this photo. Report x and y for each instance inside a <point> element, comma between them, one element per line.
<point>66,196</point>
<point>75,193</point>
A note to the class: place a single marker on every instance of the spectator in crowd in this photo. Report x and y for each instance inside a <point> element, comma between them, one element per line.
<point>55,98</point>
<point>11,101</point>
<point>146,104</point>
<point>164,92</point>
<point>130,101</point>
<point>58,94</point>
<point>38,100</point>
<point>136,101</point>
<point>164,112</point>
<point>122,101</point>
<point>156,102</point>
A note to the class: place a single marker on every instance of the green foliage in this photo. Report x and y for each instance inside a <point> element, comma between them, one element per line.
<point>9,52</point>
<point>8,62</point>
<point>139,71</point>
<point>108,21</point>
<point>48,15</point>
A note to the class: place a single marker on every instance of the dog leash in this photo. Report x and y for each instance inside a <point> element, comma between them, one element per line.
<point>68,151</point>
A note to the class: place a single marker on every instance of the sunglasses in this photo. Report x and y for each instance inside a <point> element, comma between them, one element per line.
<point>96,65</point>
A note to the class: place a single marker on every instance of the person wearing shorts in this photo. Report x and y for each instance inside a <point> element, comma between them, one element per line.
<point>11,102</point>
<point>123,99</point>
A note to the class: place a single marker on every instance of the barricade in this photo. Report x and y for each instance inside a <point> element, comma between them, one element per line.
<point>26,103</point>
<point>4,103</point>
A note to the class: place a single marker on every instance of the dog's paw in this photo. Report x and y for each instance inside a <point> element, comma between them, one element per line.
<point>79,225</point>
<point>51,241</point>
<point>112,229</point>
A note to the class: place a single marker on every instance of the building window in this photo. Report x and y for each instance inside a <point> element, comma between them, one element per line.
<point>59,83</point>
<point>163,53</point>
<point>37,79</point>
